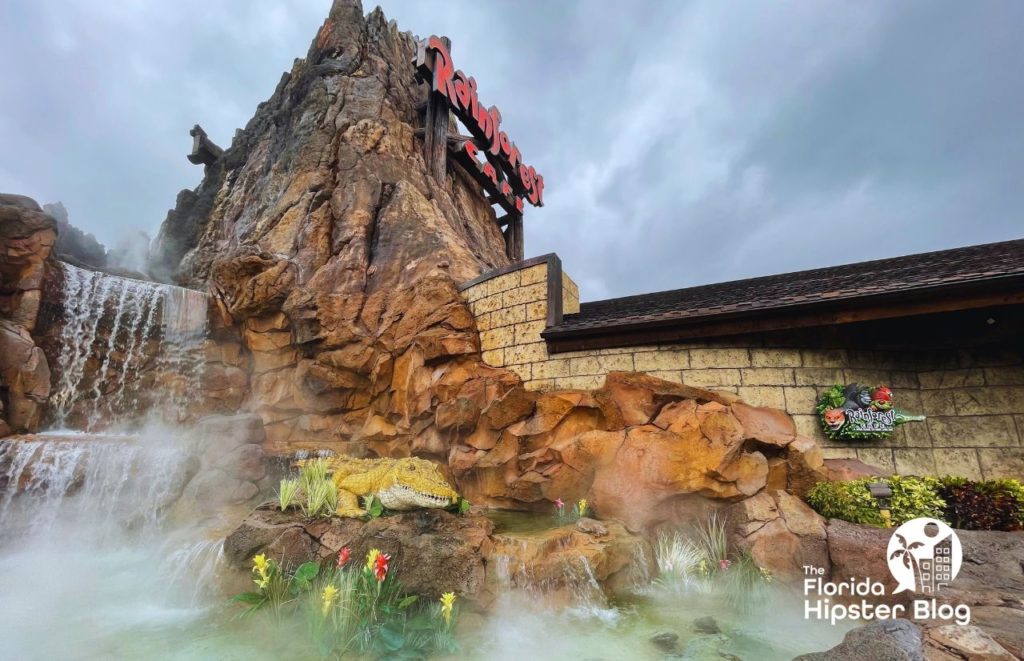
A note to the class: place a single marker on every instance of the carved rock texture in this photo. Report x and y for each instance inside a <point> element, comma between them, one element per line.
<point>336,257</point>
<point>434,551</point>
<point>27,237</point>
<point>780,532</point>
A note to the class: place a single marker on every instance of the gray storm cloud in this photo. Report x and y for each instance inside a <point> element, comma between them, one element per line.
<point>681,142</point>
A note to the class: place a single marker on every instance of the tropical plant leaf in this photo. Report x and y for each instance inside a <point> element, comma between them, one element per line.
<point>897,553</point>
<point>408,601</point>
<point>252,598</point>
<point>464,506</point>
<point>307,571</point>
<point>915,545</point>
<point>376,508</point>
<point>903,540</point>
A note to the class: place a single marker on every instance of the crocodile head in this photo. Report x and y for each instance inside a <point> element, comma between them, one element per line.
<point>413,483</point>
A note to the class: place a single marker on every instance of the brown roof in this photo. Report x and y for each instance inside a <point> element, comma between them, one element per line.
<point>987,267</point>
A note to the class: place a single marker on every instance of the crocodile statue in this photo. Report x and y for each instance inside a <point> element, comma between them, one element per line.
<point>399,484</point>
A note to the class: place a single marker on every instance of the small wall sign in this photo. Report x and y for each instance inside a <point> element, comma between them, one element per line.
<point>855,412</point>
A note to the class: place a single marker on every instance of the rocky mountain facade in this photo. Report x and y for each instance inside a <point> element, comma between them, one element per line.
<point>27,237</point>
<point>334,258</point>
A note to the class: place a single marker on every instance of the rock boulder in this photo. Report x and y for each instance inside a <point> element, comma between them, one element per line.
<point>432,551</point>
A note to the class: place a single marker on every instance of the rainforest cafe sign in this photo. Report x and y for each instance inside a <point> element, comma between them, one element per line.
<point>517,179</point>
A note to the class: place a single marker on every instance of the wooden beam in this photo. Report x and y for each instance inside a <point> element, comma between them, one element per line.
<point>435,139</point>
<point>472,168</point>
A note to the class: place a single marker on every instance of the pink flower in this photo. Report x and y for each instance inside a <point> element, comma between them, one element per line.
<point>380,567</point>
<point>343,555</point>
<point>559,504</point>
<point>724,564</point>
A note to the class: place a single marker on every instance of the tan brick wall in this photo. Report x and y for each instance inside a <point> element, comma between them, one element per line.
<point>974,398</point>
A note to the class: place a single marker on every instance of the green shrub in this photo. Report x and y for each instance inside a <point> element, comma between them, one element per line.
<point>850,501</point>
<point>318,493</point>
<point>962,503</point>
<point>915,497</point>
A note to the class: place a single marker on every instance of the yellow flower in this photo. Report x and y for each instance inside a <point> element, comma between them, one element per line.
<point>582,506</point>
<point>261,566</point>
<point>329,595</point>
<point>447,602</point>
<point>371,558</point>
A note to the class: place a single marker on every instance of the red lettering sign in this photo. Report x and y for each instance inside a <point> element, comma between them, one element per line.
<point>503,166</point>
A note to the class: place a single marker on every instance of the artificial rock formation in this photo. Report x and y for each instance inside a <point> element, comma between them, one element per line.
<point>780,532</point>
<point>991,578</point>
<point>231,468</point>
<point>571,560</point>
<point>336,258</point>
<point>434,551</point>
<point>27,237</point>
<point>330,249</point>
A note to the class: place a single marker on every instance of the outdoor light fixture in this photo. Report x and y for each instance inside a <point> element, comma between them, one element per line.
<point>882,494</point>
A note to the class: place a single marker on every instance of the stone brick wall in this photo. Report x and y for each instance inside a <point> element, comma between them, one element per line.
<point>964,373</point>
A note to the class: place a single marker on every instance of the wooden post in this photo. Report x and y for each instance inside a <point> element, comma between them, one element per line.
<point>514,238</point>
<point>435,138</point>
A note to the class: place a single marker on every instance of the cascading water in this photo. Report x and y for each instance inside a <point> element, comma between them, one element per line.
<point>99,539</point>
<point>97,551</point>
<point>112,329</point>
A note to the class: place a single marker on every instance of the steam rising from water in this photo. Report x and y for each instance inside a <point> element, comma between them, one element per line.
<point>90,559</point>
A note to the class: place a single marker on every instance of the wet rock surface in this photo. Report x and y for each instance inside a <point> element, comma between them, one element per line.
<point>954,641</point>
<point>706,624</point>
<point>886,640</point>
<point>781,533</point>
<point>432,551</point>
<point>27,237</point>
<point>435,551</point>
<point>581,557</point>
<point>231,466</point>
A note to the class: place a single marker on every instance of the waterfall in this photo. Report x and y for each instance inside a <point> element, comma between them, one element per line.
<point>96,542</point>
<point>116,331</point>
<point>113,483</point>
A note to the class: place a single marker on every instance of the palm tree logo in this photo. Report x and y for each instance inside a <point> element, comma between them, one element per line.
<point>906,551</point>
<point>923,555</point>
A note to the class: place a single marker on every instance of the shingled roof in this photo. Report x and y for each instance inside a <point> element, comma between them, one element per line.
<point>983,268</point>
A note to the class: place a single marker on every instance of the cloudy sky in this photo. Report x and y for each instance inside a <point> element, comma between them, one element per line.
<point>681,142</point>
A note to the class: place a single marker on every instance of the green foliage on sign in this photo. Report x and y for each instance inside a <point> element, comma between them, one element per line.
<point>854,412</point>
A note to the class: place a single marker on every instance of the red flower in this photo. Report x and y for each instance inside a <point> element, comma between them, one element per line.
<point>380,567</point>
<point>559,503</point>
<point>343,555</point>
<point>724,564</point>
